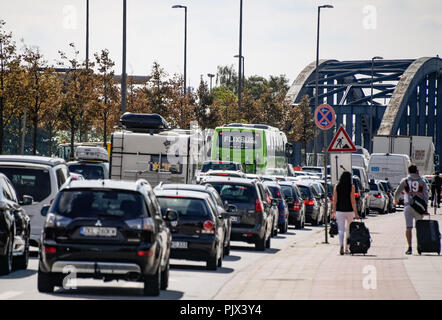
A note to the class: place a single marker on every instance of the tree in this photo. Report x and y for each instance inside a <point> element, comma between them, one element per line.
<point>203,113</point>
<point>157,90</point>
<point>107,106</point>
<point>228,77</point>
<point>300,124</point>
<point>180,109</point>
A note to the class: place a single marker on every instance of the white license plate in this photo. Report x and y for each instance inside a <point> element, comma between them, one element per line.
<point>179,245</point>
<point>98,232</point>
<point>235,218</point>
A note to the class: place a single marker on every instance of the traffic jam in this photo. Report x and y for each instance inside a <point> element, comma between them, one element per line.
<point>125,212</point>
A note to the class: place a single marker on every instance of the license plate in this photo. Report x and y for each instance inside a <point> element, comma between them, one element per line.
<point>179,245</point>
<point>235,218</point>
<point>98,232</point>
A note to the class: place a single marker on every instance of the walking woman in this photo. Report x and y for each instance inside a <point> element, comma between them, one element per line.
<point>344,208</point>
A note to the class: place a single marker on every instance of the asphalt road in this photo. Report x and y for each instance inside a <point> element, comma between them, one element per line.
<point>188,279</point>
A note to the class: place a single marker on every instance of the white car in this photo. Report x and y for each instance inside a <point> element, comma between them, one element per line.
<point>38,177</point>
<point>378,200</point>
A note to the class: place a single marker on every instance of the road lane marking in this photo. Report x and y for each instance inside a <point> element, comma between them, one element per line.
<point>9,294</point>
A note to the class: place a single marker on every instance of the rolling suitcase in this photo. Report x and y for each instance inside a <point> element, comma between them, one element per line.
<point>359,239</point>
<point>428,236</point>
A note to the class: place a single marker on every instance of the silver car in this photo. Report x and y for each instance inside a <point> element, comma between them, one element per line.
<point>378,198</point>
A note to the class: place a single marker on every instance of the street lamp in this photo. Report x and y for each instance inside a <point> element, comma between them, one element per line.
<point>240,54</point>
<point>210,75</point>
<point>371,101</point>
<point>123,74</point>
<point>324,131</point>
<point>185,43</point>
<point>317,74</point>
<point>243,63</point>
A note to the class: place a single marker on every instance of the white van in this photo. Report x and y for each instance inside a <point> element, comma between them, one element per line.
<point>362,174</point>
<point>386,166</point>
<point>38,177</point>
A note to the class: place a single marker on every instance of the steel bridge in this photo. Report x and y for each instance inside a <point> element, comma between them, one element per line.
<point>406,99</point>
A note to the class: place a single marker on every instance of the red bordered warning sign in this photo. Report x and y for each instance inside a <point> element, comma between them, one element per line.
<point>341,142</point>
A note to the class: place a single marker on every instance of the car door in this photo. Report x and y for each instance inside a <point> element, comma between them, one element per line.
<point>219,224</point>
<point>267,214</point>
<point>164,235</point>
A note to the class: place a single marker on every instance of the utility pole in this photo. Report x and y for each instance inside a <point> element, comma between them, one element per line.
<point>123,74</point>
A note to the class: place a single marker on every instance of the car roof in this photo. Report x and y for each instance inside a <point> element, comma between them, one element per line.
<point>89,162</point>
<point>107,184</point>
<point>182,186</point>
<point>220,161</point>
<point>182,193</point>
<point>221,179</point>
<point>52,162</point>
<point>271,184</point>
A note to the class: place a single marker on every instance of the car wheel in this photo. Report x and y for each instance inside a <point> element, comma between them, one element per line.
<point>45,282</point>
<point>275,230</point>
<point>260,244</point>
<point>6,260</point>
<point>212,262</point>
<point>220,259</point>
<point>21,262</point>
<point>165,277</point>
<point>227,250</point>
<point>298,225</point>
<point>268,242</point>
<point>152,284</point>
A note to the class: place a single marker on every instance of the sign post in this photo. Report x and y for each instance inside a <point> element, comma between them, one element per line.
<point>325,119</point>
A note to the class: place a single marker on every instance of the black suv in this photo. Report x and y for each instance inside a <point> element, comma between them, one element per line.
<point>106,229</point>
<point>15,229</point>
<point>250,207</point>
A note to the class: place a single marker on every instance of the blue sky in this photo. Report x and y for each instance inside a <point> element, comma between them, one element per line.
<point>279,36</point>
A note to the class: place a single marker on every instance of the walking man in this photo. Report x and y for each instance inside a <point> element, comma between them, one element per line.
<point>437,183</point>
<point>413,185</point>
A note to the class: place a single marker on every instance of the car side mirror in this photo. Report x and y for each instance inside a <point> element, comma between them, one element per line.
<point>27,200</point>
<point>231,208</point>
<point>44,210</point>
<point>171,215</point>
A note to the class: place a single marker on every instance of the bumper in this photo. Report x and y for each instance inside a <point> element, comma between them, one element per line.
<point>294,216</point>
<point>115,260</point>
<point>311,214</point>
<point>198,249</point>
<point>377,204</point>
<point>249,235</point>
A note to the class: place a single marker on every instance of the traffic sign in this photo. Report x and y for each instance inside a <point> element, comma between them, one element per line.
<point>341,142</point>
<point>325,116</point>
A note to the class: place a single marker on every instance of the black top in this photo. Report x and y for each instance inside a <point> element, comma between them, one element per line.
<point>344,200</point>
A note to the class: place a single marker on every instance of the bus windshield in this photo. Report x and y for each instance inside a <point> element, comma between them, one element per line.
<point>239,140</point>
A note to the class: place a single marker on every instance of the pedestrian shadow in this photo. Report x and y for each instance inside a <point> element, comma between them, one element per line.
<point>112,293</point>
<point>199,268</point>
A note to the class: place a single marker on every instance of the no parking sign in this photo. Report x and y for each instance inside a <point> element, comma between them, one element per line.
<point>325,116</point>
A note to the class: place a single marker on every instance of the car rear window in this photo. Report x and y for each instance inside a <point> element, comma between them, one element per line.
<point>90,172</point>
<point>276,192</point>
<point>287,191</point>
<point>219,166</point>
<point>29,181</point>
<point>374,187</point>
<point>99,203</point>
<point>186,207</point>
<point>305,191</point>
<point>236,193</point>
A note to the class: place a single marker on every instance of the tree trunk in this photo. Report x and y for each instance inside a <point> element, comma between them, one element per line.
<point>72,157</point>
<point>34,138</point>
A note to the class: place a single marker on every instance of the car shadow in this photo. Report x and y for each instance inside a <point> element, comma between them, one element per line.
<point>200,268</point>
<point>19,274</point>
<point>112,293</point>
<point>231,258</point>
<point>252,249</point>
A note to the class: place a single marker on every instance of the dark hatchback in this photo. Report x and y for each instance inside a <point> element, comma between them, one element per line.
<point>199,232</point>
<point>283,211</point>
<point>312,205</point>
<point>110,230</point>
<point>295,204</point>
<point>252,216</point>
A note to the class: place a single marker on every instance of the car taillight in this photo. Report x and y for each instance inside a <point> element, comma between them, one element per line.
<point>309,202</point>
<point>145,253</point>
<point>378,196</point>
<point>258,206</point>
<point>357,195</point>
<point>50,250</point>
<point>296,205</point>
<point>331,198</point>
<point>402,192</point>
<point>208,227</point>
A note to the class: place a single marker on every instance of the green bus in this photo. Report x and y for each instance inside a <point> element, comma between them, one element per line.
<point>261,149</point>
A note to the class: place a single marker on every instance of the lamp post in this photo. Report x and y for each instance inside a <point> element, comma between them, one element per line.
<point>324,131</point>
<point>240,60</point>
<point>87,34</point>
<point>317,75</point>
<point>123,74</point>
<point>185,44</point>
<point>210,75</point>
<point>371,101</point>
<point>243,63</point>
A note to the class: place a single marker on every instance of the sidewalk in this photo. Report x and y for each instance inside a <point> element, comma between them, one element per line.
<point>313,270</point>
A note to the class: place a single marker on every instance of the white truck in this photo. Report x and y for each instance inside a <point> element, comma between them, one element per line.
<point>146,149</point>
<point>419,149</point>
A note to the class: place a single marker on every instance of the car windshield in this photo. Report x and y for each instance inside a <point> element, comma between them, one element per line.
<point>88,172</point>
<point>219,166</point>
<point>29,181</point>
<point>186,207</point>
<point>88,203</point>
<point>236,193</point>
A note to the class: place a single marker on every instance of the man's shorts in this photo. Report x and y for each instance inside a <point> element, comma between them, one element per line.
<point>411,214</point>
